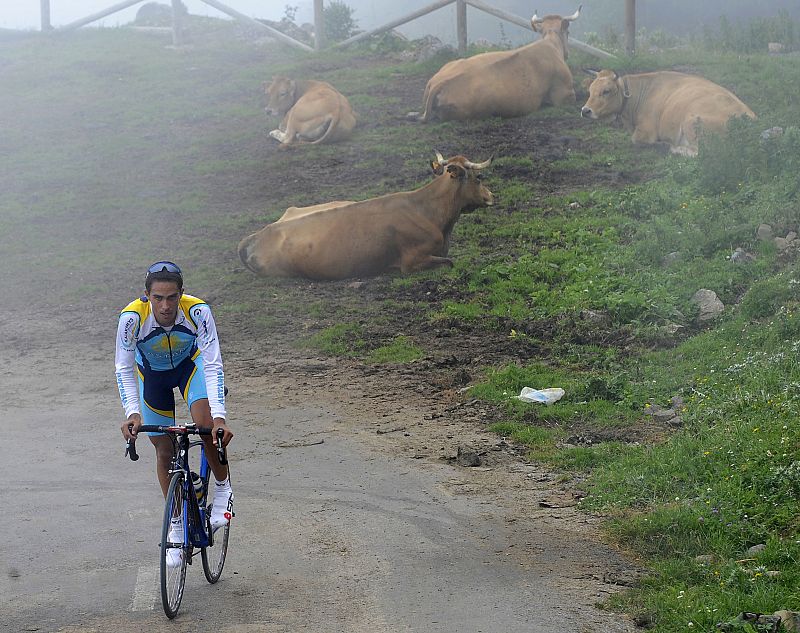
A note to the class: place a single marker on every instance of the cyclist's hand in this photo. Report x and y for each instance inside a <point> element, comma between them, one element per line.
<point>135,421</point>
<point>219,423</point>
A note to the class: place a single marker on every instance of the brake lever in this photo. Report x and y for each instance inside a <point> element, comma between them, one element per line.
<point>223,459</point>
<point>130,447</point>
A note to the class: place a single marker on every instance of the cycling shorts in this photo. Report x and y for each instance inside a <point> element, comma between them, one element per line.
<point>156,393</point>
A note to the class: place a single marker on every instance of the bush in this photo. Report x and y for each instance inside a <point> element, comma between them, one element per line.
<point>766,297</point>
<point>745,155</point>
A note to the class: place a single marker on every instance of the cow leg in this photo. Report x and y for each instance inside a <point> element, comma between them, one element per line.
<point>643,135</point>
<point>562,91</point>
<point>416,261</point>
<point>278,136</point>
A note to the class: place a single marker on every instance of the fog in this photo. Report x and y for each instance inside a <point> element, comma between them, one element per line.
<point>671,15</point>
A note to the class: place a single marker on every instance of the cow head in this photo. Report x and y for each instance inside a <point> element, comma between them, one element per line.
<point>281,95</point>
<point>606,96</point>
<point>467,178</point>
<point>555,26</point>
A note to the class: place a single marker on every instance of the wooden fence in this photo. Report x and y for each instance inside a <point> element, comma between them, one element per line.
<point>319,31</point>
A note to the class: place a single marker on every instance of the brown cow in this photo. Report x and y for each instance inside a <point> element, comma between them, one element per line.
<point>504,83</point>
<point>409,230</point>
<point>313,111</point>
<point>664,107</point>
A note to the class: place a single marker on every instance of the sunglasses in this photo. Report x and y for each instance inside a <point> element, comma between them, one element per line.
<point>160,267</point>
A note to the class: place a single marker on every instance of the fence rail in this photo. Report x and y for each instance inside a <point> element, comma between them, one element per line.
<point>319,33</point>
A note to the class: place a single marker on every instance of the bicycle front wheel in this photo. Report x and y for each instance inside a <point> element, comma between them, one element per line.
<point>174,548</point>
<point>214,555</point>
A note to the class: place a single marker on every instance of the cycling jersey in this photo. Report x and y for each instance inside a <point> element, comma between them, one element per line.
<point>153,352</point>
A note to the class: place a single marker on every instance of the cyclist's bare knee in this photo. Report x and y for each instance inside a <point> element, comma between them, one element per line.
<point>201,413</point>
<point>164,450</point>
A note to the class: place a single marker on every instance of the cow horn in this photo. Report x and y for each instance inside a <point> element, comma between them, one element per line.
<point>575,15</point>
<point>590,71</point>
<point>536,19</point>
<point>470,165</point>
<point>440,159</point>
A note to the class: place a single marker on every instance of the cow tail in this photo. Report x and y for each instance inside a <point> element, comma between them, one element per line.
<point>331,125</point>
<point>328,132</point>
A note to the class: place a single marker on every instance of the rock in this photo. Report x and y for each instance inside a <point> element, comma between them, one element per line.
<point>772,573</point>
<point>791,236</point>
<point>710,305</point>
<point>664,415</point>
<point>747,621</point>
<point>671,258</point>
<point>740,256</point>
<point>775,48</point>
<point>467,457</point>
<point>574,205</point>
<point>677,402</point>
<point>595,317</point>
<point>764,232</point>
<point>704,559</point>
<point>781,244</point>
<point>789,619</point>
<point>756,550</point>
<point>771,133</point>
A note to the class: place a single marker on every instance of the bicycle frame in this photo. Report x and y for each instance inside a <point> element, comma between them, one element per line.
<point>195,532</point>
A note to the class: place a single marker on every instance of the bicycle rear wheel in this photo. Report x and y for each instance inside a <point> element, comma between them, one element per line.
<point>214,555</point>
<point>174,550</point>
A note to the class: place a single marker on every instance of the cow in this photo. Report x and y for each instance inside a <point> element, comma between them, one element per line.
<point>313,112</point>
<point>504,83</point>
<point>663,107</point>
<point>409,230</point>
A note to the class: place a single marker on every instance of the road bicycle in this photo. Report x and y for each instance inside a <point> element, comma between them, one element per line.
<point>187,514</point>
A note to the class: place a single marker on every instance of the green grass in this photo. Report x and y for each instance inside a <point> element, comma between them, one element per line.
<point>343,339</point>
<point>400,350</point>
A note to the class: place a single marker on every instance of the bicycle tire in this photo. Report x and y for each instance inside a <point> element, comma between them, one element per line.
<point>213,556</point>
<point>173,579</point>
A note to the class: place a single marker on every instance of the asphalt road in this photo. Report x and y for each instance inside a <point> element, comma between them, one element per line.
<point>328,537</point>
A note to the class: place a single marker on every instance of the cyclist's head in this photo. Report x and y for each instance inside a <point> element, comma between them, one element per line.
<point>164,271</point>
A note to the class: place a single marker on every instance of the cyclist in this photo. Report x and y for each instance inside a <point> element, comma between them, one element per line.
<point>168,339</point>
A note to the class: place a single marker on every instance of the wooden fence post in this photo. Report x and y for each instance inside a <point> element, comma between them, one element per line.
<point>45,15</point>
<point>630,26</point>
<point>461,27</point>
<point>177,23</point>
<point>319,25</point>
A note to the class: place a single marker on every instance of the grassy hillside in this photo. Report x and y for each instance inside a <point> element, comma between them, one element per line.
<point>684,433</point>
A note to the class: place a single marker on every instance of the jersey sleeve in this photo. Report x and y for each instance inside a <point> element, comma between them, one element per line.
<point>125,361</point>
<point>208,344</point>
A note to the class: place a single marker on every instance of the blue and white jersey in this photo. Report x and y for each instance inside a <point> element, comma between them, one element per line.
<point>142,342</point>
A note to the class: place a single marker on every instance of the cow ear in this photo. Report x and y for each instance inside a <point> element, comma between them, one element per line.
<point>437,168</point>
<point>457,171</point>
<point>564,26</point>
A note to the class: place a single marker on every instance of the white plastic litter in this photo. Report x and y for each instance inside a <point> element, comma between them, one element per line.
<point>547,396</point>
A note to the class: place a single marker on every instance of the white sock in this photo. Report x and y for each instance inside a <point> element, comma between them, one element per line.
<point>226,483</point>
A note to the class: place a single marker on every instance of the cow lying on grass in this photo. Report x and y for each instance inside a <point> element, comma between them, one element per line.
<point>664,107</point>
<point>313,112</point>
<point>504,83</point>
<point>409,230</point>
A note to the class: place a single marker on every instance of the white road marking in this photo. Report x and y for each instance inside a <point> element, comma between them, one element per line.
<point>144,595</point>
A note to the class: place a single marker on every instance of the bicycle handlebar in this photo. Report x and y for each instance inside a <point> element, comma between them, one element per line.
<point>130,446</point>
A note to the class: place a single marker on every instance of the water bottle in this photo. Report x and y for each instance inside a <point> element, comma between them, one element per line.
<point>198,487</point>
